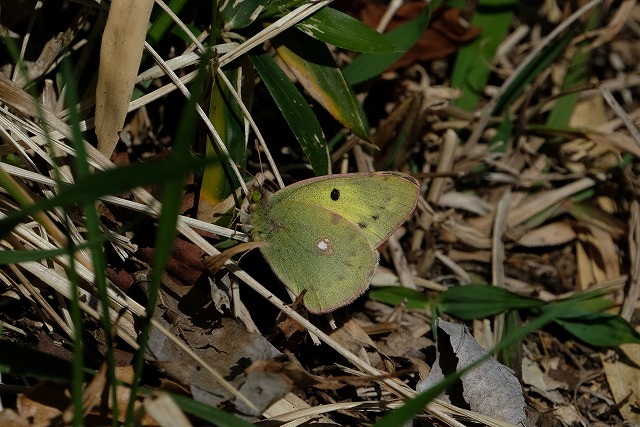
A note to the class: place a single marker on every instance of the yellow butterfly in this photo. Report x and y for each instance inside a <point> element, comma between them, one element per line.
<point>322,233</point>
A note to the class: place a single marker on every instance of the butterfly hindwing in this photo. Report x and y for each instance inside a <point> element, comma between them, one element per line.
<point>314,249</point>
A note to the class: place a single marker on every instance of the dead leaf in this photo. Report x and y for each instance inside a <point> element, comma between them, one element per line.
<point>490,388</point>
<point>164,409</point>
<point>43,403</point>
<point>541,383</point>
<point>553,234</point>
<point>185,265</point>
<point>9,418</point>
<point>227,347</point>
<point>623,376</point>
<point>120,55</point>
<point>445,33</point>
<point>215,263</point>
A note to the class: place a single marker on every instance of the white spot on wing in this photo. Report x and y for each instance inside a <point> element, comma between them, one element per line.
<point>324,246</point>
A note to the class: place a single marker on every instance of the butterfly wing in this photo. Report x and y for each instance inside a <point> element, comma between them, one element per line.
<point>314,249</point>
<point>377,202</point>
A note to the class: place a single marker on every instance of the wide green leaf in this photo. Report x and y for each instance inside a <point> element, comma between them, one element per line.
<point>601,329</point>
<point>240,14</point>
<point>313,65</point>
<point>341,30</point>
<point>473,62</point>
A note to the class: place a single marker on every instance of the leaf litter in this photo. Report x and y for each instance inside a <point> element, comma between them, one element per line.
<point>571,224</point>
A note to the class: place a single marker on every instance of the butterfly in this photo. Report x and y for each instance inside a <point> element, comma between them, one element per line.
<point>322,233</point>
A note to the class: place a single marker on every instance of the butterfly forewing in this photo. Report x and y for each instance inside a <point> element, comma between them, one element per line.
<point>377,203</point>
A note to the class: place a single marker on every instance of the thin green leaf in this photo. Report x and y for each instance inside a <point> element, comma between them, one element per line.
<point>341,30</point>
<point>576,76</point>
<point>478,301</point>
<point>163,22</point>
<point>208,413</point>
<point>368,65</point>
<point>82,169</point>
<point>395,295</point>
<point>296,112</point>
<point>167,231</point>
<point>16,257</point>
<point>531,71</point>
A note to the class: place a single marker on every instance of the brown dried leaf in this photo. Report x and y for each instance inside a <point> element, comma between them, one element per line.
<point>120,54</point>
<point>43,403</point>
<point>9,418</point>
<point>490,389</point>
<point>215,263</point>
<point>556,233</point>
<point>623,377</point>
<point>227,347</point>
<point>444,36</point>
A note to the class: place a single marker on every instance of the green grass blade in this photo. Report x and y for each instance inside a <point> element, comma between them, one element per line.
<point>163,22</point>
<point>576,76</point>
<point>208,413</point>
<point>82,170</point>
<point>533,69</point>
<point>92,222</point>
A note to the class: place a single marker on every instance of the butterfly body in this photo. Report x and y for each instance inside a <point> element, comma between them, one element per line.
<point>322,233</point>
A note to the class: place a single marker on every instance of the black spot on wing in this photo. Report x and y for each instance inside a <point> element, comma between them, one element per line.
<point>335,194</point>
<point>362,224</point>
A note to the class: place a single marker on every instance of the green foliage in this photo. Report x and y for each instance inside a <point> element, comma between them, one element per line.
<point>478,301</point>
<point>208,413</point>
<point>404,37</point>
<point>581,315</point>
<point>295,110</point>
<point>473,62</point>
<point>343,31</point>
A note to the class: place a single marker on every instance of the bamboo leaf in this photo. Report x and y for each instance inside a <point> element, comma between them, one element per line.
<point>296,112</point>
<point>313,65</point>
